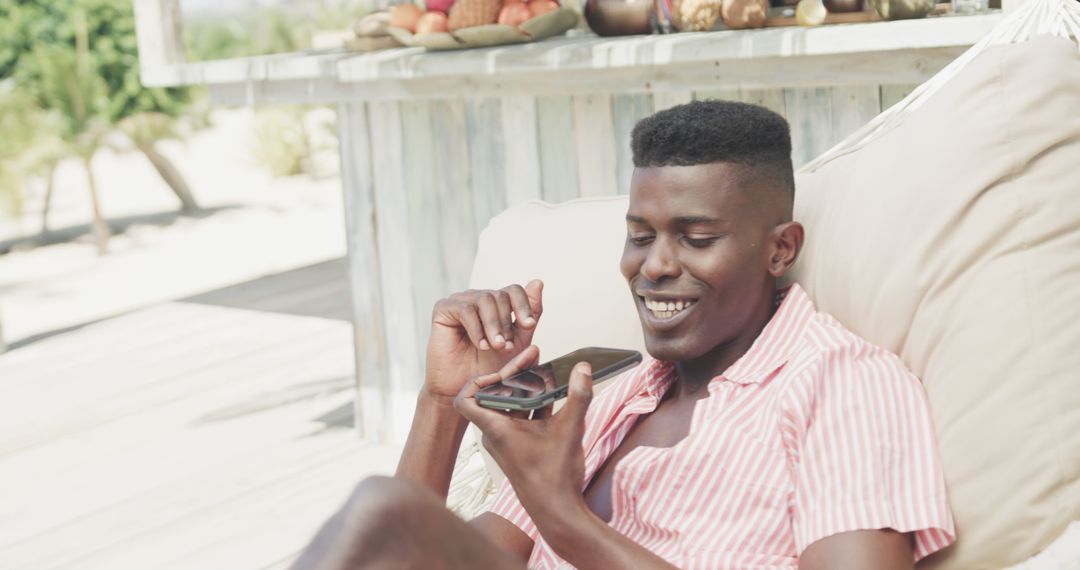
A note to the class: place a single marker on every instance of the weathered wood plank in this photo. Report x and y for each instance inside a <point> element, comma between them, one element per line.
<point>893,94</point>
<point>772,99</point>
<point>522,171</point>
<point>159,32</point>
<point>627,110</point>
<point>425,216</point>
<point>119,396</point>
<point>852,107</point>
<point>809,111</point>
<point>558,156</point>
<point>487,158</point>
<point>594,134</point>
<point>668,99</point>
<point>270,378</point>
<point>731,94</point>
<point>372,372</point>
<point>393,232</point>
<point>453,190</point>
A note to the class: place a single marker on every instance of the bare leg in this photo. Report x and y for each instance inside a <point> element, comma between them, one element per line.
<point>389,523</point>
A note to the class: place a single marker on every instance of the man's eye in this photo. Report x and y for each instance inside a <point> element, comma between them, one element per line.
<point>640,240</point>
<point>701,242</point>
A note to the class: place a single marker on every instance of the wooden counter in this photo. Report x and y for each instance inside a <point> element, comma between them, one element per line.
<point>434,144</point>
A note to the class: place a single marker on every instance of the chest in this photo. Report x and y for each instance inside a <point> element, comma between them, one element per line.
<point>683,458</point>
<point>662,429</point>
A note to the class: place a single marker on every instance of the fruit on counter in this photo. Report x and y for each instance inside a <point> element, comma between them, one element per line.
<point>439,6</point>
<point>432,22</point>
<point>469,13</point>
<point>514,14</point>
<point>740,14</point>
<point>810,12</point>
<point>405,16</point>
<point>372,25</point>
<point>541,7</point>
<point>695,15</point>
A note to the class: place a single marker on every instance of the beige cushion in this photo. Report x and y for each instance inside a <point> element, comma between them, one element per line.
<point>575,248</point>
<point>954,240</point>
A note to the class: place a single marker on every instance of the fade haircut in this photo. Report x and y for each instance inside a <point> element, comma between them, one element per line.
<point>704,132</point>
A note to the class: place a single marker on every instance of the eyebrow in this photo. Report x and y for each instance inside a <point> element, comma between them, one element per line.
<point>680,220</point>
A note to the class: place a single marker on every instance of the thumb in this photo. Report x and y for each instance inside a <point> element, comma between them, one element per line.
<point>580,392</point>
<point>534,290</point>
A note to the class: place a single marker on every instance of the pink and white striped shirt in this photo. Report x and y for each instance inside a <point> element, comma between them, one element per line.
<point>813,432</point>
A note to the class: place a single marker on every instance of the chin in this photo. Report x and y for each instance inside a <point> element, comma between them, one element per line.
<point>671,349</point>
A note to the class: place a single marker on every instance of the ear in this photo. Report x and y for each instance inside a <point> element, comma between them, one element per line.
<point>785,243</point>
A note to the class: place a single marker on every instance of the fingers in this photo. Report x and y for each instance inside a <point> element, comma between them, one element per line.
<point>488,317</point>
<point>465,402</point>
<point>580,393</point>
<point>505,316</point>
<point>534,290</point>
<point>543,413</point>
<point>523,312</point>
<point>466,314</point>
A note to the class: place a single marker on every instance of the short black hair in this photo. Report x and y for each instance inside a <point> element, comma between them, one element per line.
<point>703,132</point>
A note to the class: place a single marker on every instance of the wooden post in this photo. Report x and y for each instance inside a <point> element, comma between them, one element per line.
<point>159,30</point>
<point>373,406</point>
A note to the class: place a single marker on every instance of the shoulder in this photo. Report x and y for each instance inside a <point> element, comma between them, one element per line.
<point>832,359</point>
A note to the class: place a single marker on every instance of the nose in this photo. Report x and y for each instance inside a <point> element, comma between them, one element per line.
<point>661,261</point>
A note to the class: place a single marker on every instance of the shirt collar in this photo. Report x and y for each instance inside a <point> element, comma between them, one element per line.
<point>772,349</point>
<point>778,340</point>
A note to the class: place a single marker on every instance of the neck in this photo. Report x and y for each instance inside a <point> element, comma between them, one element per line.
<point>694,375</point>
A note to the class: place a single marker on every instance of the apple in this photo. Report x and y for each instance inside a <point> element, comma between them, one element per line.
<point>514,14</point>
<point>405,16</point>
<point>541,7</point>
<point>432,22</point>
<point>440,5</point>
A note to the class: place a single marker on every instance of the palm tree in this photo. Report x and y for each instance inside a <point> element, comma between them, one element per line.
<point>17,121</point>
<point>69,85</point>
<point>145,130</point>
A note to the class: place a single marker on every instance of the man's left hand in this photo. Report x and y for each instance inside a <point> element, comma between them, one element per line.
<point>542,457</point>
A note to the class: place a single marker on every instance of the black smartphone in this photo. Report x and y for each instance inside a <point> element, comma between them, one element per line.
<point>541,385</point>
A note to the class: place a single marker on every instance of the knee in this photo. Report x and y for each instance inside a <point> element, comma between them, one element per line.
<point>386,499</point>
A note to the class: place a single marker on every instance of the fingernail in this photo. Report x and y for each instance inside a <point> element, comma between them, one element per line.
<point>509,345</point>
<point>499,339</point>
<point>529,320</point>
<point>484,344</point>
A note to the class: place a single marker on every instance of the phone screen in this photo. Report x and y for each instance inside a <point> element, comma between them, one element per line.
<point>553,375</point>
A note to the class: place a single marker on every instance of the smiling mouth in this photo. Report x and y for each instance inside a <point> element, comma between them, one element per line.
<point>664,310</point>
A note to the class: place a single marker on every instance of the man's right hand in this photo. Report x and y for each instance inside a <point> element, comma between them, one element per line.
<point>476,332</point>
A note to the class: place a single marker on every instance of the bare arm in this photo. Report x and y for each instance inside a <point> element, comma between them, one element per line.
<point>432,446</point>
<point>882,549</point>
<point>428,459</point>
<point>545,463</point>
<point>472,333</point>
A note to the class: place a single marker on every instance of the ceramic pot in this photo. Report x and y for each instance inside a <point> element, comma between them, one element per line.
<point>836,6</point>
<point>619,17</point>
<point>902,9</point>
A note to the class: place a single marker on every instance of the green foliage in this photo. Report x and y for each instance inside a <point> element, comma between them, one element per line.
<point>282,144</point>
<point>267,30</point>
<point>27,26</point>
<point>18,119</point>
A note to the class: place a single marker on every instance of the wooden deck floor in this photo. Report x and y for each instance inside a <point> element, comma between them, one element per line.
<point>184,435</point>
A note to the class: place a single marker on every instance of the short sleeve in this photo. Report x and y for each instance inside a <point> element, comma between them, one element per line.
<point>863,453</point>
<point>507,506</point>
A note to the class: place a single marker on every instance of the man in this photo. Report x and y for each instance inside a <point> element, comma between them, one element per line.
<point>761,433</point>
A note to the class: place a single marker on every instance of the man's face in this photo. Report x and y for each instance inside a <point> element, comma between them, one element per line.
<point>696,257</point>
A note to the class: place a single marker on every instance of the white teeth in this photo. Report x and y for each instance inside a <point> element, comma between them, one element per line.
<point>667,309</point>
